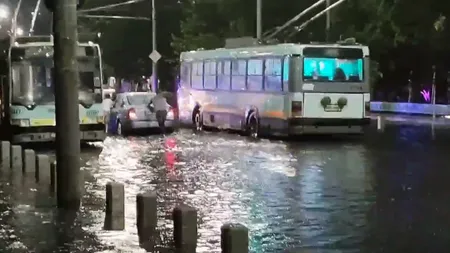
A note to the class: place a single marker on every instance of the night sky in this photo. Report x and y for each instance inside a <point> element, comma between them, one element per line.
<point>43,21</point>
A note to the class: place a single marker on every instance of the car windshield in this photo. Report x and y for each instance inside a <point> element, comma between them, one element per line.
<point>141,99</point>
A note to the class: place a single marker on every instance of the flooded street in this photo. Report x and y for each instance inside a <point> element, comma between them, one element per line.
<point>385,192</point>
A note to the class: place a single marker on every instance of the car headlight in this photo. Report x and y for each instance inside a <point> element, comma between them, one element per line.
<point>20,122</point>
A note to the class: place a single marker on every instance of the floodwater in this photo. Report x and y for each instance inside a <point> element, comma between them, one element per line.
<point>388,191</point>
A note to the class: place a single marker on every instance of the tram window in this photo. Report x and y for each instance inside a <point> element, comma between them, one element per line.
<point>238,72</point>
<point>197,75</point>
<point>223,75</point>
<point>185,75</point>
<point>286,73</point>
<point>255,75</point>
<point>210,75</point>
<point>272,75</point>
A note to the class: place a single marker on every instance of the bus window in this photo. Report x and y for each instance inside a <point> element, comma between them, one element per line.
<point>185,75</point>
<point>197,75</point>
<point>255,75</point>
<point>223,75</point>
<point>272,75</point>
<point>238,72</point>
<point>210,75</point>
<point>286,71</point>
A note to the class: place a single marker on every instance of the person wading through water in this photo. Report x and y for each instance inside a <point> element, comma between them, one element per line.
<point>160,105</point>
<point>107,105</point>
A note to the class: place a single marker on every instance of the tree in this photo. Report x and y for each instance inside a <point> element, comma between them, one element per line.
<point>402,35</point>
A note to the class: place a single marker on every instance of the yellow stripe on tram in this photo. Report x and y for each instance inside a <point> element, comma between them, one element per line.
<point>88,120</point>
<point>42,122</point>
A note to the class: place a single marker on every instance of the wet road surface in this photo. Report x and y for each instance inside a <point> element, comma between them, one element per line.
<point>385,192</point>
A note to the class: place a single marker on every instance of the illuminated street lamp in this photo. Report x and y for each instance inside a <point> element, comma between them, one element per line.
<point>19,31</point>
<point>4,12</point>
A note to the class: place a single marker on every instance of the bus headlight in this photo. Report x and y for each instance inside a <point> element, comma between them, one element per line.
<point>20,122</point>
<point>100,119</point>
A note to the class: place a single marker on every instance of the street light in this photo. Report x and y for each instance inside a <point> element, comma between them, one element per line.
<point>19,31</point>
<point>4,12</point>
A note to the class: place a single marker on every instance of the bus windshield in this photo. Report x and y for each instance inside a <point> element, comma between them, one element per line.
<point>33,81</point>
<point>333,64</point>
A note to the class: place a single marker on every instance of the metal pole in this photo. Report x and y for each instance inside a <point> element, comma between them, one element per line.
<point>302,26</point>
<point>154,66</point>
<point>14,23</point>
<point>433,92</point>
<point>328,23</point>
<point>69,182</point>
<point>259,19</point>
<point>294,19</point>
<point>410,89</point>
<point>114,17</point>
<point>110,6</point>
<point>33,20</point>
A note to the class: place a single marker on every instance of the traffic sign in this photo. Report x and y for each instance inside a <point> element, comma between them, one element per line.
<point>155,56</point>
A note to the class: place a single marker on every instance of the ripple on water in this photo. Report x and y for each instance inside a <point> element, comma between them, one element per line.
<point>316,195</point>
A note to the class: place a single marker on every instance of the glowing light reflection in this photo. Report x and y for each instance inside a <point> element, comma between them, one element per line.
<point>426,95</point>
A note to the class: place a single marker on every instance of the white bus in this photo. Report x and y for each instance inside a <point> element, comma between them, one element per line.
<point>27,90</point>
<point>284,89</point>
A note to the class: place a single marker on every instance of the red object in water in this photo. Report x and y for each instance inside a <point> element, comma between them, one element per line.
<point>169,155</point>
<point>132,114</point>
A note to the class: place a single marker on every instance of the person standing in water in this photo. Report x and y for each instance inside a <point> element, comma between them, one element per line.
<point>161,107</point>
<point>107,105</point>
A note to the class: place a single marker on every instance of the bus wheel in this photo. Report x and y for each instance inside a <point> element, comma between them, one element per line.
<point>198,121</point>
<point>253,126</point>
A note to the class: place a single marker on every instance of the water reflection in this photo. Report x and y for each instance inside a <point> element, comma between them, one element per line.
<point>385,193</point>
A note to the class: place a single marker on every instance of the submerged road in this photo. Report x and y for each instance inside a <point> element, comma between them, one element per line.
<point>385,192</point>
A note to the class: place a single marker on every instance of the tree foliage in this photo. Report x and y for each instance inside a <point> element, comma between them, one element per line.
<point>403,35</point>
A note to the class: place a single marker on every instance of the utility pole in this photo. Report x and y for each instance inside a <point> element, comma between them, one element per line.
<point>33,19</point>
<point>69,181</point>
<point>259,19</point>
<point>328,22</point>
<point>154,66</point>
<point>433,92</point>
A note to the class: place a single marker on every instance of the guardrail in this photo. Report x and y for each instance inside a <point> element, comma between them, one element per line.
<point>410,108</point>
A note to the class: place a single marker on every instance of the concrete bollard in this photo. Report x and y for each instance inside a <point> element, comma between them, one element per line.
<point>234,238</point>
<point>380,123</point>
<point>147,218</point>
<point>16,157</point>
<point>185,228</point>
<point>115,206</point>
<point>5,155</point>
<point>53,178</point>
<point>29,161</point>
<point>43,172</point>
